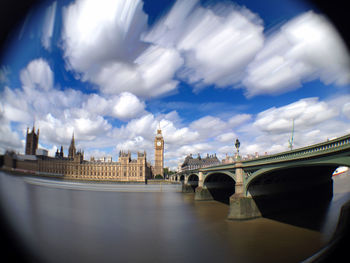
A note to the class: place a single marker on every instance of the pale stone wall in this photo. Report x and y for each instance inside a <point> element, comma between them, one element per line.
<point>123,170</point>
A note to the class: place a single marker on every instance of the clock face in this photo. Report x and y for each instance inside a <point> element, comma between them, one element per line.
<point>159,143</point>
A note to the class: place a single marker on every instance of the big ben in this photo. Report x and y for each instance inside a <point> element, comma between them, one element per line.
<point>158,153</point>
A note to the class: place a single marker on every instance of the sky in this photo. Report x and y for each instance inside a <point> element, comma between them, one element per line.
<point>207,72</point>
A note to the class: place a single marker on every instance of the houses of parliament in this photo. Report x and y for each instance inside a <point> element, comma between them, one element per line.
<point>36,161</point>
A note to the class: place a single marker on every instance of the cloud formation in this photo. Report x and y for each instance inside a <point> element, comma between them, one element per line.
<point>314,121</point>
<point>216,43</point>
<point>304,49</point>
<point>37,74</point>
<point>305,113</point>
<point>102,44</point>
<point>48,26</point>
<point>111,45</point>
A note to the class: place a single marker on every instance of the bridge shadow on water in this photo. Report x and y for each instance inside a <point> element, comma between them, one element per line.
<point>295,211</point>
<point>297,196</point>
<point>302,199</point>
<point>221,187</point>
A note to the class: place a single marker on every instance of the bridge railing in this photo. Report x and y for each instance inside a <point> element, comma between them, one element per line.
<point>309,151</point>
<point>337,144</point>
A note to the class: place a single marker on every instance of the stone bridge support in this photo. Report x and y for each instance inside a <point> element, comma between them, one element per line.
<point>242,207</point>
<point>186,187</point>
<point>202,193</point>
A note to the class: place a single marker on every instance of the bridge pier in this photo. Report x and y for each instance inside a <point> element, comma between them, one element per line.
<point>186,187</point>
<point>242,207</point>
<point>202,193</point>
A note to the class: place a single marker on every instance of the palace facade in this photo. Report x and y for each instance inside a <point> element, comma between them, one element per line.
<point>74,166</point>
<point>191,163</point>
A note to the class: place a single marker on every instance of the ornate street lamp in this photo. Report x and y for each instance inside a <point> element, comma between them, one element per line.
<point>237,144</point>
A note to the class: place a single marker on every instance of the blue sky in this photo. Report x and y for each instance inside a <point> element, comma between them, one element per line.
<point>208,71</point>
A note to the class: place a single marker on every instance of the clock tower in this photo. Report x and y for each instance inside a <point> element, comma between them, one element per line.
<point>158,153</point>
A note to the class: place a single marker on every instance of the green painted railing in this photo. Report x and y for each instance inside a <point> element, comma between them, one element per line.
<point>334,145</point>
<point>338,144</point>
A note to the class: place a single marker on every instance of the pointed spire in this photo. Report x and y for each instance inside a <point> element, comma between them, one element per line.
<point>72,150</point>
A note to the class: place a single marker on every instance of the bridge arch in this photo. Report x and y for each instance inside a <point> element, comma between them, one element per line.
<point>228,173</point>
<point>182,178</point>
<point>323,168</point>
<point>278,189</point>
<point>221,185</point>
<point>193,180</point>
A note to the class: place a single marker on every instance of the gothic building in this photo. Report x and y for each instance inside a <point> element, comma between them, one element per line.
<point>32,141</point>
<point>72,150</point>
<point>159,154</point>
<point>191,163</point>
<point>75,167</point>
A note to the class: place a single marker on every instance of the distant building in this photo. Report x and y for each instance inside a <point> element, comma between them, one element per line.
<point>158,154</point>
<point>74,166</point>
<point>32,141</point>
<point>43,152</point>
<point>231,159</point>
<point>191,163</point>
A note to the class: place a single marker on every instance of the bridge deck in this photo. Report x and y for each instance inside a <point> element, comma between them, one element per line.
<point>316,150</point>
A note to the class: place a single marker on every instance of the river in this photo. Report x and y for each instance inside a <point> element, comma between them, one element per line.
<point>62,221</point>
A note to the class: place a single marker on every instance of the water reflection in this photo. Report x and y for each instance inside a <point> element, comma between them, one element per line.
<point>65,222</point>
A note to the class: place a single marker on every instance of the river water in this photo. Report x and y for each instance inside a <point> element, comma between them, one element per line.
<point>61,221</point>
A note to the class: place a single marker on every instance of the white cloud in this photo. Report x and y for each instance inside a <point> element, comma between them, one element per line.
<point>227,137</point>
<point>4,72</point>
<point>37,97</point>
<point>102,42</point>
<point>304,49</point>
<point>59,130</point>
<point>305,112</point>
<point>95,104</point>
<point>137,144</point>
<point>239,119</point>
<point>216,43</point>
<point>124,106</point>
<point>9,138</point>
<point>177,135</point>
<point>110,44</point>
<point>346,110</point>
<point>48,25</point>
<point>127,106</point>
<point>150,75</point>
<point>37,74</point>
<point>98,32</point>
<point>142,126</point>
<point>314,121</point>
<point>158,66</point>
<point>209,126</point>
<point>14,106</point>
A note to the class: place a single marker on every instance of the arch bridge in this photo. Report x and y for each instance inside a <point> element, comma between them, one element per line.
<point>256,187</point>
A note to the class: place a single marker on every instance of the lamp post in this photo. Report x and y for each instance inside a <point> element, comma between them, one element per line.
<point>237,144</point>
